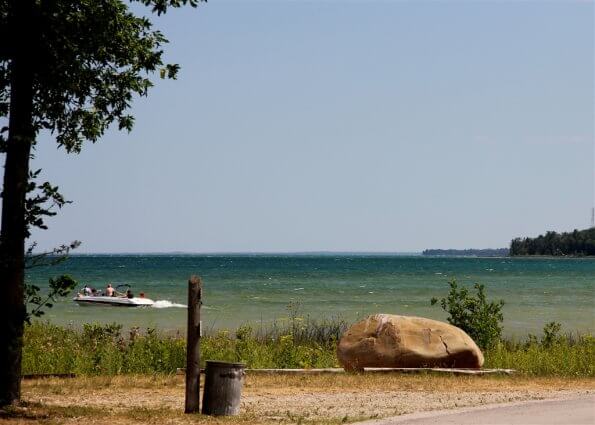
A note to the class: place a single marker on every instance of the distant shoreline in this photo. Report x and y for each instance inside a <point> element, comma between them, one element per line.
<point>321,254</point>
<point>467,252</point>
<point>247,254</point>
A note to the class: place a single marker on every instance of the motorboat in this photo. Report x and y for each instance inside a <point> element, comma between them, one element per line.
<point>99,300</point>
<point>84,299</point>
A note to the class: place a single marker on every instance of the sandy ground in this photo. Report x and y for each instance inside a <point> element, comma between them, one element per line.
<point>279,399</point>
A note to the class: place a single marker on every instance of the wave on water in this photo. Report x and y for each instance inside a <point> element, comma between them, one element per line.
<point>167,304</point>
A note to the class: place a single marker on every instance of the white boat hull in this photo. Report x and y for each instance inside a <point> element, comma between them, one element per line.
<point>85,300</point>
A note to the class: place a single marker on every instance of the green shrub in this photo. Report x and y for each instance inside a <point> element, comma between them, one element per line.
<point>474,314</point>
<point>551,333</point>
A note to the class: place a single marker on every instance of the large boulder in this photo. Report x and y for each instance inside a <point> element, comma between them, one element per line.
<point>387,340</point>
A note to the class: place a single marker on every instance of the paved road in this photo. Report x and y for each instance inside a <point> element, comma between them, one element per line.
<point>572,411</point>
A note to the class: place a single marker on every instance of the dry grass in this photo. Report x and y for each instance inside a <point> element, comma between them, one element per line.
<point>322,399</point>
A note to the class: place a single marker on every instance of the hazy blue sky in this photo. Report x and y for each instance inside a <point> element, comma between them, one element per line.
<point>346,126</point>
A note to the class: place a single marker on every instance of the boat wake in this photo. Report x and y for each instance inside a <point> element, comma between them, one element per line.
<point>167,304</point>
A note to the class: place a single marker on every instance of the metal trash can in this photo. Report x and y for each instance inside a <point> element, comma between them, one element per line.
<point>223,388</point>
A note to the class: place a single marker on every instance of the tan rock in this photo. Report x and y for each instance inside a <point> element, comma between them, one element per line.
<point>386,340</point>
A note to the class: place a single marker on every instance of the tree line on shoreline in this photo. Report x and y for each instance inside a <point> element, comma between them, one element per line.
<point>578,243</point>
<point>489,252</point>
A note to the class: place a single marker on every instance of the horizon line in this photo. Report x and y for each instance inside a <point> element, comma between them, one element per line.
<point>248,253</point>
<point>322,252</point>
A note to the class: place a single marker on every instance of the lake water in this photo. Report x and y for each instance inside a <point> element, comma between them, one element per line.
<point>258,288</point>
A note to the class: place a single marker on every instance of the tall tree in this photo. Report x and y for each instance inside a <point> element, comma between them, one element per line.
<point>71,67</point>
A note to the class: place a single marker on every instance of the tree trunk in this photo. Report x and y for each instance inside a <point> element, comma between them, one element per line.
<point>12,234</point>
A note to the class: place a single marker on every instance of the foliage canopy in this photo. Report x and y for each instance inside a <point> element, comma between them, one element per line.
<point>90,58</point>
<point>576,243</point>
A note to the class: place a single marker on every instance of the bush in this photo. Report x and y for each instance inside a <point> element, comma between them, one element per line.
<point>551,333</point>
<point>474,314</point>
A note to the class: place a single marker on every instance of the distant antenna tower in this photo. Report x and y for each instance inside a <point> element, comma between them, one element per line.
<point>592,217</point>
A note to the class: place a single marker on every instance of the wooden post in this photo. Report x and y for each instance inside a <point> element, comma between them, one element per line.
<point>193,346</point>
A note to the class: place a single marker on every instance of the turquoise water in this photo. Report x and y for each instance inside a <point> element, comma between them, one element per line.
<point>258,288</point>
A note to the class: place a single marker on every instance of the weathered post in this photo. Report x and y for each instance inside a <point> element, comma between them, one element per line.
<point>193,346</point>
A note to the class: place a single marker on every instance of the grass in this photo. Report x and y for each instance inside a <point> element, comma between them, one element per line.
<point>300,343</point>
<point>568,355</point>
<point>106,350</point>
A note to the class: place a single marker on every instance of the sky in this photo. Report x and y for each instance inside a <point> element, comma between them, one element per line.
<point>363,126</point>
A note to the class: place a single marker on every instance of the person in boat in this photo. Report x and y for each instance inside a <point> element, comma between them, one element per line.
<point>109,291</point>
<point>87,291</point>
<point>129,294</point>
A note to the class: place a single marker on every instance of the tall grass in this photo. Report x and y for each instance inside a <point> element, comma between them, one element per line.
<point>106,349</point>
<point>569,355</point>
<point>298,343</point>
<point>98,350</point>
